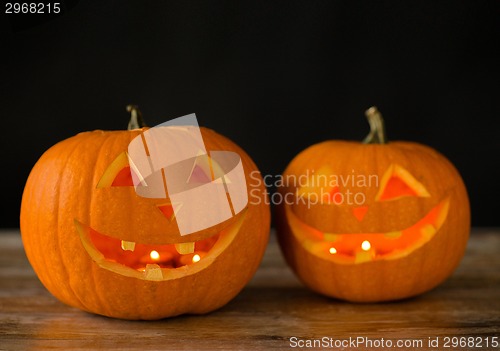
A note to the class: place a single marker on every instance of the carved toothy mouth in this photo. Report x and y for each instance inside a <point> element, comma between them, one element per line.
<point>155,262</point>
<point>365,247</point>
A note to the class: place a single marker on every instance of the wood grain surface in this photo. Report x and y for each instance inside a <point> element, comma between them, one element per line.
<point>271,310</point>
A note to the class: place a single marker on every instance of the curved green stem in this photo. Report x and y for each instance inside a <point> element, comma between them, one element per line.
<point>377,130</point>
<point>136,121</point>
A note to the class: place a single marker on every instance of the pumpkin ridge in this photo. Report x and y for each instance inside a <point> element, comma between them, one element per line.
<point>36,241</point>
<point>99,299</point>
<point>58,221</point>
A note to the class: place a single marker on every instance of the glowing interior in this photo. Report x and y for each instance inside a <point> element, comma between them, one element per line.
<point>118,173</point>
<point>315,184</point>
<point>395,188</point>
<point>363,247</point>
<point>168,211</point>
<point>397,182</point>
<point>155,262</point>
<point>137,255</point>
<point>332,195</point>
<point>123,178</point>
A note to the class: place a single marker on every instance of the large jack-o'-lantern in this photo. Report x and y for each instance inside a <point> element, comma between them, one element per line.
<point>372,221</point>
<point>97,245</point>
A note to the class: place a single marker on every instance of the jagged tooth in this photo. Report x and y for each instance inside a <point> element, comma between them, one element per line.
<point>185,248</point>
<point>153,272</point>
<point>128,245</point>
<point>330,237</point>
<point>393,235</point>
<point>363,256</point>
<point>428,230</point>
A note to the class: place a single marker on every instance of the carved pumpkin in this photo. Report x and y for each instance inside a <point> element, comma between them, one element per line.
<point>372,221</point>
<point>97,245</point>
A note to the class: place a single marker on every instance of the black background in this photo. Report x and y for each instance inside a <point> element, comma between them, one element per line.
<point>274,76</point>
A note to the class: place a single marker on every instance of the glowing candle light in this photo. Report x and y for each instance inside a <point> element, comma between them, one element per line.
<point>162,257</point>
<point>185,260</point>
<point>154,255</point>
<point>365,245</point>
<point>333,250</point>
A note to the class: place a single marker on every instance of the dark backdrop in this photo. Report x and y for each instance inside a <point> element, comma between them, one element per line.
<point>274,76</point>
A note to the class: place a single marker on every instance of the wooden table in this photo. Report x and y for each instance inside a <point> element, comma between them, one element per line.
<point>273,308</point>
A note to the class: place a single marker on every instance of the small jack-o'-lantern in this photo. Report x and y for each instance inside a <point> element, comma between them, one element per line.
<point>372,221</point>
<point>97,245</point>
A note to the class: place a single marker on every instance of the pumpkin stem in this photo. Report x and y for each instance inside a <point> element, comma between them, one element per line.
<point>377,130</point>
<point>136,121</point>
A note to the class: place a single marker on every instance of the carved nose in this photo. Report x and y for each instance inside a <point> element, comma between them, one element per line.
<point>167,210</point>
<point>360,212</point>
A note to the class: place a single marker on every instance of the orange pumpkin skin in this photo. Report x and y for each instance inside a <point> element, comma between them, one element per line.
<point>62,188</point>
<point>397,275</point>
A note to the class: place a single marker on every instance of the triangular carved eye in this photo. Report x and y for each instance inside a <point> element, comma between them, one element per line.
<point>201,172</point>
<point>397,182</point>
<point>319,185</point>
<point>118,173</point>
